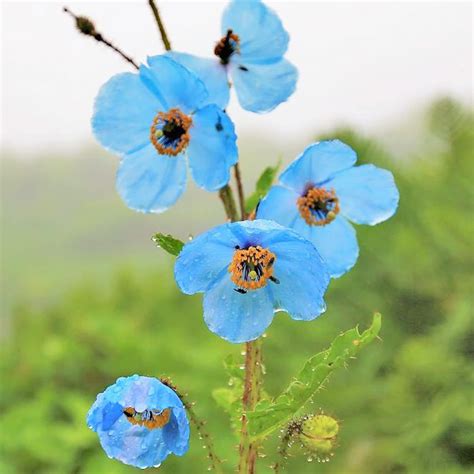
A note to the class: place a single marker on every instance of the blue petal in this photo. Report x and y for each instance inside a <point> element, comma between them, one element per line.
<point>261,87</point>
<point>123,113</point>
<point>150,393</point>
<point>211,72</point>
<point>255,232</point>
<point>150,182</point>
<point>234,316</point>
<point>317,164</point>
<point>302,275</point>
<point>110,414</point>
<point>205,258</point>
<point>133,444</point>
<point>176,85</point>
<point>136,391</point>
<point>367,194</point>
<point>262,36</point>
<point>279,205</point>
<point>212,149</point>
<point>176,433</point>
<point>203,266</point>
<point>336,243</point>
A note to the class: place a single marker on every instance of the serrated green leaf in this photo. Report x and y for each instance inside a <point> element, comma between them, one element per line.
<point>267,417</point>
<point>168,243</point>
<point>262,187</point>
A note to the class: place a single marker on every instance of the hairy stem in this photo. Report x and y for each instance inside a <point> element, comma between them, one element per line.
<point>216,462</point>
<point>248,451</point>
<point>87,27</point>
<point>161,26</point>
<point>240,191</point>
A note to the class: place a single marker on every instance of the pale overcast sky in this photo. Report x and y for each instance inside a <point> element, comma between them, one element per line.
<point>362,64</point>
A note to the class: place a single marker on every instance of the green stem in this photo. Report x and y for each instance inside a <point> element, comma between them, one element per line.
<point>161,26</point>
<point>248,450</point>
<point>227,197</point>
<point>240,191</point>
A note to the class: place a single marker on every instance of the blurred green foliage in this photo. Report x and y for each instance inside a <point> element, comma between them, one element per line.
<point>405,406</point>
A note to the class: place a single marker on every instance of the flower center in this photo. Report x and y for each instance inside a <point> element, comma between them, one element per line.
<point>318,206</point>
<point>169,132</point>
<point>227,46</point>
<point>150,418</point>
<point>251,268</point>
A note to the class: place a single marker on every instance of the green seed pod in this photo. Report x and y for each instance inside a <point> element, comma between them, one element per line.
<point>318,434</point>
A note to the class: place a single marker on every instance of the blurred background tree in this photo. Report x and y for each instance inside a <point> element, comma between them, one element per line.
<point>405,406</point>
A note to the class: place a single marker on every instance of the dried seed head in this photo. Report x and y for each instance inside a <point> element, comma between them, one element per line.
<point>85,26</point>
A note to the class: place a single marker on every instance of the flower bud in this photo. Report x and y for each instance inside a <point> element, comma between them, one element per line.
<point>318,434</point>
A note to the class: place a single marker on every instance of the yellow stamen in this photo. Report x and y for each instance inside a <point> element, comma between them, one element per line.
<point>175,127</point>
<point>149,418</point>
<point>251,268</point>
<point>318,201</point>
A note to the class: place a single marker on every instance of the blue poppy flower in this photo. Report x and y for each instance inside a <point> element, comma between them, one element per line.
<point>250,51</point>
<point>321,191</point>
<point>140,421</point>
<point>248,271</point>
<point>155,118</point>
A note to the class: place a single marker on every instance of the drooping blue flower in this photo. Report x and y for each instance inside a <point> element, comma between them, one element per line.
<point>155,118</point>
<point>321,191</point>
<point>140,421</point>
<point>248,271</point>
<point>250,52</point>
